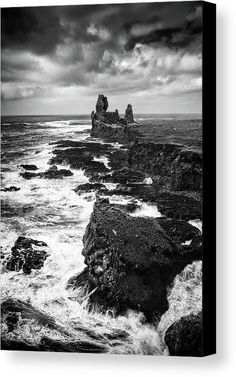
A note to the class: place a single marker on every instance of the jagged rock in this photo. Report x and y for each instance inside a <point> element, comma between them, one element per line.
<point>173,166</point>
<point>81,156</point>
<point>184,337</point>
<point>181,231</point>
<point>131,261</point>
<point>13,309</point>
<point>174,205</point>
<point>88,187</point>
<point>11,188</point>
<point>109,125</point>
<point>129,118</point>
<point>52,173</point>
<point>28,167</point>
<point>101,105</point>
<point>125,175</point>
<point>27,254</point>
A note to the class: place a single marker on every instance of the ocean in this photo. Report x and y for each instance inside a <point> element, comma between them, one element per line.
<point>49,210</point>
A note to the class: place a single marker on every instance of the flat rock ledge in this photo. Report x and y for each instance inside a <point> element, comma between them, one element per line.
<point>131,262</point>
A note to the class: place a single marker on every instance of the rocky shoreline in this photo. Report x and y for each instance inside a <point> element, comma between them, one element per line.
<point>131,261</point>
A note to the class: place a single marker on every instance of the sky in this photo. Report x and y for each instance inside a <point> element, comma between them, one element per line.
<point>56,60</point>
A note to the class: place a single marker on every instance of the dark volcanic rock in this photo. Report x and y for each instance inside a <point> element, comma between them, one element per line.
<point>81,156</point>
<point>129,117</point>
<point>175,167</point>
<point>11,188</point>
<point>52,173</point>
<point>27,254</point>
<point>180,231</point>
<point>109,125</point>
<point>28,167</point>
<point>125,175</point>
<point>101,105</point>
<point>114,132</point>
<point>184,337</point>
<point>28,175</point>
<point>88,187</point>
<point>175,205</point>
<point>12,310</point>
<point>130,261</point>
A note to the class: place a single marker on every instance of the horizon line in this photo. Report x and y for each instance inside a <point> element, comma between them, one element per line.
<point>79,114</point>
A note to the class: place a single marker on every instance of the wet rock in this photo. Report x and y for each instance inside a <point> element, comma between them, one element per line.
<point>125,175</point>
<point>28,167</point>
<point>101,177</point>
<point>180,231</point>
<point>27,254</point>
<point>28,175</point>
<point>114,132</point>
<point>81,156</point>
<point>184,337</point>
<point>11,188</point>
<point>175,205</point>
<point>52,173</point>
<point>129,118</point>
<point>131,261</point>
<point>13,311</point>
<point>53,345</point>
<point>175,167</point>
<point>88,187</point>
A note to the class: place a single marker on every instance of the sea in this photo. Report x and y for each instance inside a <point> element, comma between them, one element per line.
<point>50,210</point>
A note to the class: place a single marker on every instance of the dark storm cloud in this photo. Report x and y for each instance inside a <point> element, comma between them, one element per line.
<point>33,29</point>
<point>120,47</point>
<point>42,29</point>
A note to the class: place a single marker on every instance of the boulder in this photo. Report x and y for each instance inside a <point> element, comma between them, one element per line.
<point>27,254</point>
<point>131,262</point>
<point>180,231</point>
<point>184,337</point>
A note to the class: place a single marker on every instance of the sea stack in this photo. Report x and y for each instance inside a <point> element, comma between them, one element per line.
<point>129,118</point>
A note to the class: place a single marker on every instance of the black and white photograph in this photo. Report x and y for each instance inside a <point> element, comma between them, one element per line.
<point>102,178</point>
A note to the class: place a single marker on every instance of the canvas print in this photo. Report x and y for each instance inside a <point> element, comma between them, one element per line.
<point>101,178</point>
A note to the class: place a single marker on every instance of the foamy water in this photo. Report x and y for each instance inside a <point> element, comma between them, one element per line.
<point>49,210</point>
